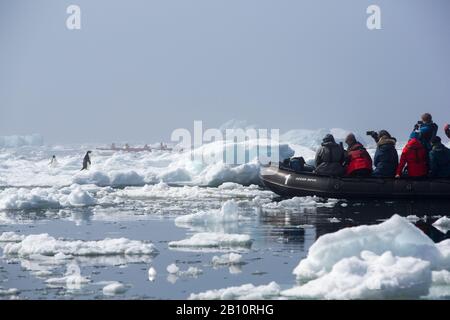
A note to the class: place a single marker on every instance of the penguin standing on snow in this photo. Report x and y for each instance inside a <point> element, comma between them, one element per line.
<point>86,161</point>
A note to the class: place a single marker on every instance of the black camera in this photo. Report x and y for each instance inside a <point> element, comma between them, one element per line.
<point>418,125</point>
<point>373,134</point>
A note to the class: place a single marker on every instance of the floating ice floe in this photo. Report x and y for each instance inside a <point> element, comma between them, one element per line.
<point>72,279</point>
<point>227,259</point>
<point>114,288</point>
<point>442,224</point>
<point>45,198</point>
<point>43,244</point>
<point>393,259</point>
<point>172,268</point>
<point>224,191</point>
<point>213,240</point>
<point>11,237</point>
<point>8,292</point>
<point>228,213</point>
<point>298,202</point>
<point>413,218</point>
<point>397,235</point>
<point>151,274</point>
<point>369,276</point>
<point>175,272</point>
<point>244,292</point>
<point>441,277</point>
<point>334,220</point>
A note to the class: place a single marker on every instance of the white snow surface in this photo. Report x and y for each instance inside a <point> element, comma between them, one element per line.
<point>213,240</point>
<point>442,224</point>
<point>114,288</point>
<point>29,167</point>
<point>227,259</point>
<point>16,141</point>
<point>393,259</point>
<point>228,213</point>
<point>43,244</point>
<point>244,292</point>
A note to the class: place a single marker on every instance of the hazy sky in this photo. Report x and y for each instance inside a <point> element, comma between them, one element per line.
<point>140,68</point>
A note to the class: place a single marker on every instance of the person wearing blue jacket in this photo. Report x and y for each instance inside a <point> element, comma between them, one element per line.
<point>439,159</point>
<point>386,156</point>
<point>426,130</point>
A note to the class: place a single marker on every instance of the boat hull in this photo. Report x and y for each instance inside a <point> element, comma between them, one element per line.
<point>290,184</point>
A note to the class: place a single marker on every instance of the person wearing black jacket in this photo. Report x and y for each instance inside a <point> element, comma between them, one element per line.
<point>386,156</point>
<point>330,158</point>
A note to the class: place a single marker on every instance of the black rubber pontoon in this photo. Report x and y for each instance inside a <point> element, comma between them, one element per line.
<point>290,184</point>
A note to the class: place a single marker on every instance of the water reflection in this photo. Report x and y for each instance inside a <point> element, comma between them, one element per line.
<point>291,225</point>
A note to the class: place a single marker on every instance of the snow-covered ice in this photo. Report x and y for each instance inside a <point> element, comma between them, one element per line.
<point>299,202</point>
<point>114,288</point>
<point>228,213</point>
<point>369,276</point>
<point>393,259</point>
<point>45,198</point>
<point>43,244</point>
<point>172,268</point>
<point>227,259</point>
<point>213,240</point>
<point>20,141</point>
<point>152,274</point>
<point>397,235</point>
<point>442,224</point>
<point>244,292</point>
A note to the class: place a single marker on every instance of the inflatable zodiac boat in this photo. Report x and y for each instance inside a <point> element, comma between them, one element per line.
<point>288,183</point>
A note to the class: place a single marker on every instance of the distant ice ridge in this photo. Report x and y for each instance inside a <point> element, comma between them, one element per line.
<point>312,139</point>
<point>20,141</point>
<point>45,245</point>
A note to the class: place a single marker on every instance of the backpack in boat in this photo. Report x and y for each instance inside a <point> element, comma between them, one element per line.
<point>296,164</point>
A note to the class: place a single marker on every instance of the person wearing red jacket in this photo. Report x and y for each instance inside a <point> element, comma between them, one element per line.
<point>358,161</point>
<point>415,158</point>
<point>447,130</point>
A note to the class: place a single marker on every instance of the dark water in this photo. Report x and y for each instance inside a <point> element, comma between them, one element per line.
<point>281,240</point>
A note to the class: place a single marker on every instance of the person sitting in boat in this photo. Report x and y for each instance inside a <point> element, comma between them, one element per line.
<point>439,159</point>
<point>414,157</point>
<point>447,130</point>
<point>330,158</point>
<point>426,130</point>
<point>357,159</point>
<point>386,156</point>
